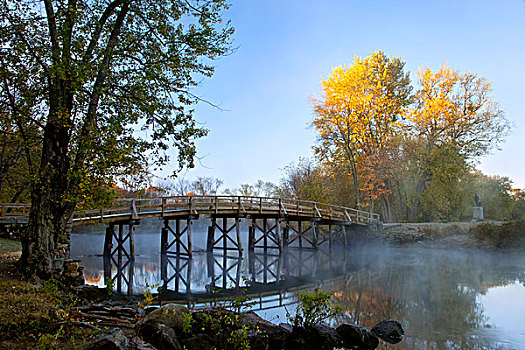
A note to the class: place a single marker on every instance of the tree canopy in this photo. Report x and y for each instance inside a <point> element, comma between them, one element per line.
<point>109,84</point>
<point>400,146</point>
<point>357,118</point>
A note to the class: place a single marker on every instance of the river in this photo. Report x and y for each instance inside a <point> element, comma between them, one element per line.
<point>444,298</point>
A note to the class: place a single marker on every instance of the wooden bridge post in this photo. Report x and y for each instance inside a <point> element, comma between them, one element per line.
<point>251,238</point>
<point>211,236</point>
<point>164,238</point>
<point>177,237</point>
<point>265,234</point>
<point>108,239</point>
<point>238,231</point>
<point>278,233</point>
<point>315,235</point>
<point>188,235</point>
<point>286,234</point>
<point>300,234</point>
<point>132,240</point>
<point>343,229</point>
<point>224,234</point>
<point>120,243</point>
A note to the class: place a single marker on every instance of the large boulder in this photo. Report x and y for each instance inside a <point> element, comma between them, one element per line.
<point>389,330</point>
<point>261,333</point>
<point>320,336</point>
<point>160,336</point>
<point>354,337</point>
<point>169,315</point>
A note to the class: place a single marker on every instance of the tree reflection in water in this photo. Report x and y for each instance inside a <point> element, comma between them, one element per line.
<point>433,292</point>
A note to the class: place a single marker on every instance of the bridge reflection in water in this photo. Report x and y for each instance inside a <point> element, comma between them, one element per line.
<point>266,279</point>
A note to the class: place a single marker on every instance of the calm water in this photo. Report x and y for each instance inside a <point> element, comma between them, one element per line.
<point>445,299</point>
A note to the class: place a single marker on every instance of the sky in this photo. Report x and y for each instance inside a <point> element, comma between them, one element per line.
<point>285,48</point>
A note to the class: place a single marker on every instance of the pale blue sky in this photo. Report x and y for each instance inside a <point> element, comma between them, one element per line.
<point>286,47</point>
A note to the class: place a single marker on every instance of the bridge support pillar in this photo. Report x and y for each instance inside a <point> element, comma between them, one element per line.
<point>120,239</point>
<point>182,226</point>
<point>286,234</point>
<point>125,257</point>
<point>301,235</point>
<point>224,236</point>
<point>270,234</point>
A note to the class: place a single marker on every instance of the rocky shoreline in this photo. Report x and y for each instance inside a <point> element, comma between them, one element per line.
<point>175,327</point>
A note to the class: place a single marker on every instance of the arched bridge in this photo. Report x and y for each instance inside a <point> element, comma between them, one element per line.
<point>273,222</point>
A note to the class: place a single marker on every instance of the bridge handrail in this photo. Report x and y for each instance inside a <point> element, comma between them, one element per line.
<point>212,205</point>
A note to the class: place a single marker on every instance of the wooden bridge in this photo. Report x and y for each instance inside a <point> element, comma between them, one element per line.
<point>273,222</point>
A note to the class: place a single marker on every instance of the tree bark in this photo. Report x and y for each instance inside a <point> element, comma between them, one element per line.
<point>419,190</point>
<point>388,214</point>
<point>46,237</point>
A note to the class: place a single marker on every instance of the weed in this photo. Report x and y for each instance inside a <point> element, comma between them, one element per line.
<point>148,297</point>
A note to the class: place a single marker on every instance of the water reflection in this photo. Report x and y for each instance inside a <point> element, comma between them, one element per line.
<point>445,299</point>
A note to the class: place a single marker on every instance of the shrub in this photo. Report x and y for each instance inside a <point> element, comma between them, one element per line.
<point>507,235</point>
<point>313,308</point>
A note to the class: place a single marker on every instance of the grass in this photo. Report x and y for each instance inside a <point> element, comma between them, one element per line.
<point>9,246</point>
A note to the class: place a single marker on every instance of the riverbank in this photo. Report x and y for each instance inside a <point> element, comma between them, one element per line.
<point>490,235</point>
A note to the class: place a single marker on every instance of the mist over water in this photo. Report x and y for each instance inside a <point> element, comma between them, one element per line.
<point>445,298</point>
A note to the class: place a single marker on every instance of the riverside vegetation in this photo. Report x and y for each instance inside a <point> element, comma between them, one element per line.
<point>51,316</point>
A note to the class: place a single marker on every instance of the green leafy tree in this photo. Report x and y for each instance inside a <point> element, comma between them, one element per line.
<point>450,111</point>
<point>114,77</point>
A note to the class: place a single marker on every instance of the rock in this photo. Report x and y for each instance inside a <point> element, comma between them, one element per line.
<point>73,273</point>
<point>353,336</point>
<point>199,342</point>
<point>321,336</point>
<point>170,315</point>
<point>114,341</point>
<point>91,293</point>
<point>389,330</point>
<point>263,334</point>
<point>160,336</point>
<point>251,320</point>
<point>327,334</point>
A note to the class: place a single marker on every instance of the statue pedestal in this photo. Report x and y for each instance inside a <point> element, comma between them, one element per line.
<point>477,213</point>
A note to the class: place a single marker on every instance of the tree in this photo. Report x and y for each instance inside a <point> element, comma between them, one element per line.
<point>115,79</point>
<point>450,112</point>
<point>206,185</point>
<point>304,181</point>
<point>357,118</point>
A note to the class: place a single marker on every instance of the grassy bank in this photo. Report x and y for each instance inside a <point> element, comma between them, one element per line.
<point>485,235</point>
<point>9,246</point>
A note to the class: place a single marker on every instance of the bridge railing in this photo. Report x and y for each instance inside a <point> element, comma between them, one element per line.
<point>14,209</point>
<point>173,205</point>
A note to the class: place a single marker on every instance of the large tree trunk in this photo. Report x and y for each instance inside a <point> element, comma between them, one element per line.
<point>419,190</point>
<point>388,214</point>
<point>47,237</point>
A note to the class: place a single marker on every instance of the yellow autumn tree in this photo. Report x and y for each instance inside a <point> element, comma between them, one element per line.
<point>453,117</point>
<point>356,120</point>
